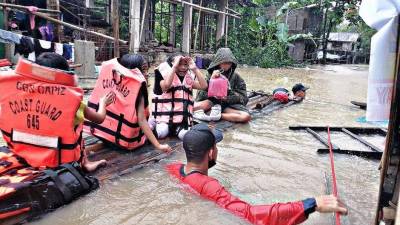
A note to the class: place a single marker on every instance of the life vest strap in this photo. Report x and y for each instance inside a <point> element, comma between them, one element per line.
<point>180,88</point>
<point>157,101</point>
<point>113,133</point>
<point>18,137</point>
<point>114,116</point>
<point>175,113</point>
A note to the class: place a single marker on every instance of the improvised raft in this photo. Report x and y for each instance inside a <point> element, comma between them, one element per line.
<point>26,193</point>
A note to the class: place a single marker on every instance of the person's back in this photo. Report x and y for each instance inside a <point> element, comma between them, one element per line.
<point>38,108</point>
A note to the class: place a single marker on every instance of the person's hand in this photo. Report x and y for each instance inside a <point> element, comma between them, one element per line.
<point>177,60</point>
<point>192,64</point>
<point>108,99</point>
<point>164,148</point>
<point>215,74</point>
<point>329,204</point>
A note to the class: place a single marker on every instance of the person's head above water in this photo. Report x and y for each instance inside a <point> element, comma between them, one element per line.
<point>53,60</point>
<point>299,90</point>
<point>200,145</point>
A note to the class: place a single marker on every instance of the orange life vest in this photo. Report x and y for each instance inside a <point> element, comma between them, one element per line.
<point>121,124</point>
<point>174,106</point>
<point>37,111</point>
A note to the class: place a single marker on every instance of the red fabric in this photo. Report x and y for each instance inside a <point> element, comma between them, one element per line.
<point>211,189</point>
<point>281,96</point>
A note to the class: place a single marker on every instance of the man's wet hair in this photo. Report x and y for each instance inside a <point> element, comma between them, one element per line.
<point>132,61</point>
<point>53,60</point>
<point>197,143</point>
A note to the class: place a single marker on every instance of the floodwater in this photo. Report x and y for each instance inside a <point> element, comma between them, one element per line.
<point>262,162</point>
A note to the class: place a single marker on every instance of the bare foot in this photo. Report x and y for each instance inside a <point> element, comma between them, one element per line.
<point>92,166</point>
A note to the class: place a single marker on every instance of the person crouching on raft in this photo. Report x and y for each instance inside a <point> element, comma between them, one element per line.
<point>201,154</point>
<point>30,127</point>
<point>233,107</point>
<point>173,95</point>
<point>126,124</point>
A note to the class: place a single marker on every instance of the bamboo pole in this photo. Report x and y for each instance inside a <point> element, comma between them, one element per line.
<point>44,16</point>
<point>144,16</point>
<point>24,7</point>
<point>204,9</point>
<point>197,28</point>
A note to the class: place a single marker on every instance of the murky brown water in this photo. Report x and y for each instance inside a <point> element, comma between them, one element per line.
<point>261,162</point>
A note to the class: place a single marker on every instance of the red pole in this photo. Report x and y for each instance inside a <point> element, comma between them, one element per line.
<point>335,192</point>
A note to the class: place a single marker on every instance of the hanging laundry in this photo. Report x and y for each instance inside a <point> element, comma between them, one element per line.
<point>32,9</point>
<point>9,37</point>
<point>42,46</point>
<point>67,51</point>
<point>25,47</point>
<point>59,48</point>
<point>47,32</point>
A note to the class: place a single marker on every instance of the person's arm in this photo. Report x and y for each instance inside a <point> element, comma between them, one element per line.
<point>238,93</point>
<point>147,130</point>
<point>278,213</point>
<point>99,116</point>
<point>166,83</point>
<point>200,83</point>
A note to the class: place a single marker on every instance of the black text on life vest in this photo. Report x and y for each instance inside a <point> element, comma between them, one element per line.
<point>41,89</point>
<point>110,84</point>
<point>32,121</point>
<point>37,106</point>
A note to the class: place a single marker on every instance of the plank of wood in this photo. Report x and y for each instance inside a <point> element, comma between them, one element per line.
<point>320,138</point>
<point>356,130</point>
<point>364,154</point>
<point>362,140</point>
<point>362,105</point>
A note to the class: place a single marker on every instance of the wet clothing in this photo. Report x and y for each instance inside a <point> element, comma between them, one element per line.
<point>237,93</point>
<point>281,95</point>
<point>274,214</point>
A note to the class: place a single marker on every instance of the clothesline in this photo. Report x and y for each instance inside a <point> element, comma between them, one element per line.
<point>31,47</point>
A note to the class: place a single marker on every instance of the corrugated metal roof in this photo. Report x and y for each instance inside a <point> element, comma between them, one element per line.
<point>344,37</point>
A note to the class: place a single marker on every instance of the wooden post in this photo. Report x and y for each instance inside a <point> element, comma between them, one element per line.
<point>197,28</point>
<point>172,32</point>
<point>187,25</point>
<point>144,29</point>
<point>221,21</point>
<point>85,55</point>
<point>115,24</point>
<point>134,28</point>
<point>226,26</point>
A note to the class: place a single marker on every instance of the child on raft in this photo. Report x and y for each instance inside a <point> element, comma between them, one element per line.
<point>231,108</point>
<point>173,96</point>
<point>283,95</point>
<point>134,120</point>
<point>52,70</point>
<point>56,61</point>
<point>136,61</point>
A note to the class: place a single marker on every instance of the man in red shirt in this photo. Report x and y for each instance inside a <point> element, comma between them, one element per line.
<point>201,153</point>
